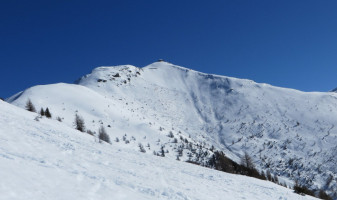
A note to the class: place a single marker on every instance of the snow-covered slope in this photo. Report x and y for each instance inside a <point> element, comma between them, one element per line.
<point>289,132</point>
<point>46,159</point>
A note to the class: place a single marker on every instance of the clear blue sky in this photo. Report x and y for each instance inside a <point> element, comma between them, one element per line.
<point>288,43</point>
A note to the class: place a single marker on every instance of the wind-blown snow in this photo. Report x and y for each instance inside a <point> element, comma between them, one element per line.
<point>46,159</point>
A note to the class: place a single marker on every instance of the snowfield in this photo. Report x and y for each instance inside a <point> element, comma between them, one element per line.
<point>47,159</point>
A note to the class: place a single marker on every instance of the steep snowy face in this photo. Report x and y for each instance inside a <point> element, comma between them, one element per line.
<point>46,159</point>
<point>290,132</point>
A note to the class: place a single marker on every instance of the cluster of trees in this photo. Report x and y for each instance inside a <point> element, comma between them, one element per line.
<point>79,122</point>
<point>220,162</point>
<point>45,112</point>
<point>30,107</point>
<point>80,126</point>
<point>302,189</point>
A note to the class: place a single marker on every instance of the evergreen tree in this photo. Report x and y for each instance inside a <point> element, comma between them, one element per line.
<point>268,175</point>
<point>247,161</point>
<point>276,179</point>
<point>30,106</point>
<point>162,152</point>
<point>102,135</point>
<point>79,123</point>
<point>263,174</point>
<point>47,113</point>
<point>42,112</point>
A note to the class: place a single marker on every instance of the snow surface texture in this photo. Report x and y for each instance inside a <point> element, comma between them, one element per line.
<point>289,132</point>
<point>46,159</point>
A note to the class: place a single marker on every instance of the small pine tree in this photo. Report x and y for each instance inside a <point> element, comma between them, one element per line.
<point>42,112</point>
<point>263,174</point>
<point>30,106</point>
<point>47,113</point>
<point>268,175</point>
<point>162,152</point>
<point>79,123</point>
<point>102,135</point>
<point>170,134</point>
<point>276,179</point>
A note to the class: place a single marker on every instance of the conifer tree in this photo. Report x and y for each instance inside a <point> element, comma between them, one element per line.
<point>102,135</point>
<point>79,123</point>
<point>30,106</point>
<point>42,112</point>
<point>247,161</point>
<point>47,113</point>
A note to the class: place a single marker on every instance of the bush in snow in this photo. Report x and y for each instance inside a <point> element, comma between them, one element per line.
<point>141,148</point>
<point>79,123</point>
<point>59,119</point>
<point>30,106</point>
<point>102,135</point>
<point>170,135</point>
<point>90,132</point>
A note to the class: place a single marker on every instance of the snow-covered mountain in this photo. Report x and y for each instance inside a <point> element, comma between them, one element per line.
<point>47,159</point>
<point>289,132</point>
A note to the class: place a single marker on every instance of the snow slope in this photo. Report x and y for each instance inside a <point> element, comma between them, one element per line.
<point>289,132</point>
<point>47,159</point>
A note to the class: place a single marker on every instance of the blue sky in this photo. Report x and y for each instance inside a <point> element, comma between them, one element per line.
<point>283,43</point>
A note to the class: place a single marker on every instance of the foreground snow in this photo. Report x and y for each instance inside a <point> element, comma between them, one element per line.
<point>48,160</point>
